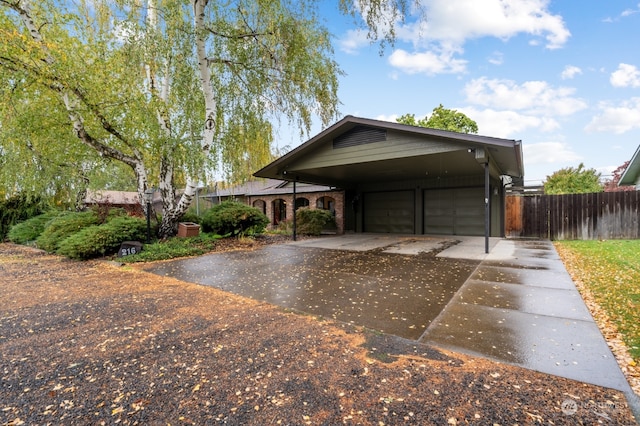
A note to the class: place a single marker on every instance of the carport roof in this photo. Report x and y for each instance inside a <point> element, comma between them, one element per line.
<point>430,152</point>
<point>631,175</point>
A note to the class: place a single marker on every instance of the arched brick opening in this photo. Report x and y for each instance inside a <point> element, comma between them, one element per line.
<point>326,203</point>
<point>302,202</point>
<point>279,210</point>
<point>260,205</point>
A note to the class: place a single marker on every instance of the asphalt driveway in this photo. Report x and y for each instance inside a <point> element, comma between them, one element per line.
<point>368,284</point>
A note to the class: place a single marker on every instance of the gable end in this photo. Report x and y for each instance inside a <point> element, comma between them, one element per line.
<point>360,135</point>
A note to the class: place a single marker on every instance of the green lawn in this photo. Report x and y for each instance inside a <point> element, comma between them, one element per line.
<point>611,271</point>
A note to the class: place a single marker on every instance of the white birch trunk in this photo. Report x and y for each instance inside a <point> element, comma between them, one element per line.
<point>169,219</point>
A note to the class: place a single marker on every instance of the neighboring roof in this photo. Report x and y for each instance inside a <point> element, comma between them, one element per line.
<point>266,187</point>
<point>112,197</point>
<point>505,154</point>
<point>631,174</point>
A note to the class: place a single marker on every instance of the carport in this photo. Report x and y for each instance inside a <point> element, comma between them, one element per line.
<point>408,180</point>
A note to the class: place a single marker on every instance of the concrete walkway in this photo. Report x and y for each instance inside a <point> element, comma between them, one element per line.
<point>519,306</point>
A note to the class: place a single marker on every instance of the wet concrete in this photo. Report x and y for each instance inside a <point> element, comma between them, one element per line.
<point>392,293</point>
<point>520,306</point>
<point>516,304</point>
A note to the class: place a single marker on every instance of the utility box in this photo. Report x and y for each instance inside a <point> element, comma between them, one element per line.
<point>188,229</point>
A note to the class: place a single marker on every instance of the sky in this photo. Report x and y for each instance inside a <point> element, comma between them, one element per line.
<point>561,76</point>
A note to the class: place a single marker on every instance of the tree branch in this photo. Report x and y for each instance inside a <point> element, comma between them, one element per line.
<point>239,36</point>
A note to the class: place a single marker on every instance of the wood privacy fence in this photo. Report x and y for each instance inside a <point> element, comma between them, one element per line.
<point>597,216</point>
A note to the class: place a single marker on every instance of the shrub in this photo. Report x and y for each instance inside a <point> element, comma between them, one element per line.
<point>190,217</point>
<point>233,218</point>
<point>174,247</point>
<point>31,229</point>
<point>63,226</point>
<point>16,209</point>
<point>312,222</point>
<point>101,240</point>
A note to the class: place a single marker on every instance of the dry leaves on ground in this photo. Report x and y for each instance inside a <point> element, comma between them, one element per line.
<point>90,343</point>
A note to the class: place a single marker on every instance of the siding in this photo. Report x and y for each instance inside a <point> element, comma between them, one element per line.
<point>397,145</point>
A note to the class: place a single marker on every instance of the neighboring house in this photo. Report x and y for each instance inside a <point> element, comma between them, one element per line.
<point>631,175</point>
<point>123,199</point>
<point>275,198</point>
<point>405,179</point>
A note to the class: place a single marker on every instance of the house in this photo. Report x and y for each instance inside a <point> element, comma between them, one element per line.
<point>275,198</point>
<point>127,200</point>
<point>404,179</point>
<point>631,175</point>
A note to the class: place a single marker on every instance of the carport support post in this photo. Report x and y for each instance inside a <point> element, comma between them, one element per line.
<point>294,209</point>
<point>486,207</point>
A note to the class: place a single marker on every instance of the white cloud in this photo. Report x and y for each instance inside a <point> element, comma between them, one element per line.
<point>507,124</point>
<point>625,13</point>
<point>496,58</point>
<point>629,12</point>
<point>451,23</point>
<point>354,40</point>
<point>569,72</point>
<point>456,21</point>
<point>617,119</point>
<point>533,97</point>
<point>625,76</point>
<point>391,118</point>
<point>426,62</point>
<point>549,152</point>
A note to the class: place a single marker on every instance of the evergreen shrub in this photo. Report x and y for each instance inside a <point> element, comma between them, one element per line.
<point>313,221</point>
<point>16,209</point>
<point>30,229</point>
<point>233,218</point>
<point>101,240</point>
<point>63,226</point>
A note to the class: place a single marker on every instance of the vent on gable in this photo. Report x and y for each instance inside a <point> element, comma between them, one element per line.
<point>360,135</point>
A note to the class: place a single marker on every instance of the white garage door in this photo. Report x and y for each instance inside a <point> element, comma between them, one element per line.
<point>457,211</point>
<point>389,212</point>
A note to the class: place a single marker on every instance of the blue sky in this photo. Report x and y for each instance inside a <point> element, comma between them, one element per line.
<point>562,76</point>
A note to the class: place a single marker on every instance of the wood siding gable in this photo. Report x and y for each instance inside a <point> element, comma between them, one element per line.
<point>397,145</point>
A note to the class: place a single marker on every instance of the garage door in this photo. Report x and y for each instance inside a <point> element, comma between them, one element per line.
<point>457,211</point>
<point>389,212</point>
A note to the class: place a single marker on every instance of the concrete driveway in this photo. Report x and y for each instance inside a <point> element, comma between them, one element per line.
<point>516,304</point>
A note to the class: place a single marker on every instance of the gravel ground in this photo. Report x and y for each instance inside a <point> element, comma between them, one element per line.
<point>93,343</point>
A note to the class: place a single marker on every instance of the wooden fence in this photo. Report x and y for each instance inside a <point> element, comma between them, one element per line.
<point>603,215</point>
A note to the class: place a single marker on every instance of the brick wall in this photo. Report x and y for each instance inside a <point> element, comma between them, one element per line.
<point>313,197</point>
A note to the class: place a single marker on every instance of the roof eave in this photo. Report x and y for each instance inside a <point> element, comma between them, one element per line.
<point>631,173</point>
<point>276,169</point>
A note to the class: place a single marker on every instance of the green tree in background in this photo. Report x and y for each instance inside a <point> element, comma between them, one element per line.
<point>443,119</point>
<point>169,88</point>
<point>572,180</point>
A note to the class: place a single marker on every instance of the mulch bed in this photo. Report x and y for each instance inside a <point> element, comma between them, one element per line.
<point>93,343</point>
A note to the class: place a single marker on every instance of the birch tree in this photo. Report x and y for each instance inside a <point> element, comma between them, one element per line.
<point>171,88</point>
